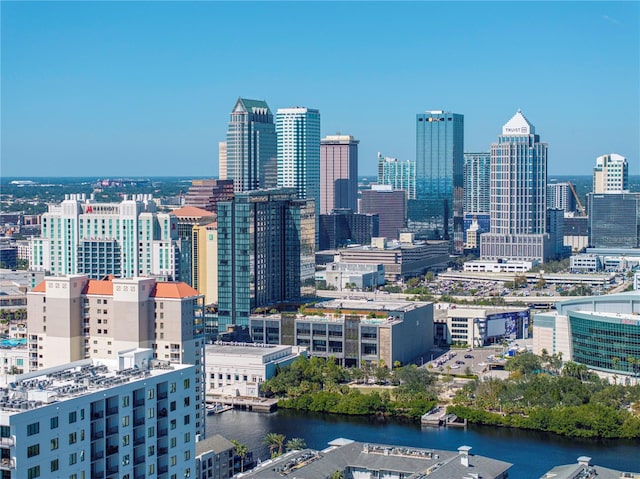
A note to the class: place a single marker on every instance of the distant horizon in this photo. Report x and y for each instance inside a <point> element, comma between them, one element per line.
<point>135,88</point>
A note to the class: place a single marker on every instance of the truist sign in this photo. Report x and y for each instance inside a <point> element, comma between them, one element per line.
<point>515,130</point>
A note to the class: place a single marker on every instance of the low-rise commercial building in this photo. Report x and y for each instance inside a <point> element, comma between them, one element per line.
<point>353,331</point>
<point>369,461</point>
<point>499,266</point>
<point>352,276</point>
<point>130,417</point>
<point>238,369</point>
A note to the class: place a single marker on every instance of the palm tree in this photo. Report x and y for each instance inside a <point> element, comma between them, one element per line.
<point>296,444</point>
<point>337,475</point>
<point>241,451</point>
<point>274,441</point>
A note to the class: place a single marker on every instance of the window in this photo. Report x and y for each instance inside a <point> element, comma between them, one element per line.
<point>33,429</point>
<point>151,431</point>
<point>151,451</point>
<point>151,412</point>
<point>152,469</point>
<point>187,419</point>
<point>187,401</point>
<point>125,421</point>
<point>33,450</point>
<point>172,406</point>
<point>125,440</point>
<point>54,422</point>
<point>73,458</point>
<point>150,393</point>
<point>173,442</point>
<point>187,436</point>
<point>33,472</point>
<point>185,383</point>
<point>187,455</point>
<point>125,401</point>
<point>172,387</point>
<point>174,460</point>
<point>54,465</point>
<point>73,417</point>
<point>172,424</point>
<point>54,443</point>
<point>73,437</point>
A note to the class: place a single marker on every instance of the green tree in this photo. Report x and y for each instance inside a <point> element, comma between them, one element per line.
<point>337,475</point>
<point>241,451</point>
<point>296,444</point>
<point>275,442</point>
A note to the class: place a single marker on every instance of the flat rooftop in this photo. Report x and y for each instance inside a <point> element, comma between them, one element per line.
<point>257,350</point>
<point>376,305</point>
<point>72,380</point>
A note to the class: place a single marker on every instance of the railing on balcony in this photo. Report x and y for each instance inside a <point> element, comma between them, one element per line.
<point>97,455</point>
<point>7,441</point>
<point>7,463</point>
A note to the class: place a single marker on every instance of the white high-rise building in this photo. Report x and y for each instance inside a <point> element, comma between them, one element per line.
<point>127,239</point>
<point>129,418</point>
<point>611,174</point>
<point>298,132</point>
<point>222,160</point>
<point>517,195</point>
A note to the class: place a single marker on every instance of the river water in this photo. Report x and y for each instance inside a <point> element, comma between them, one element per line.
<point>532,453</point>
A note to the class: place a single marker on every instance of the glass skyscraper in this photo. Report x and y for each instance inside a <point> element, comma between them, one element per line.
<point>251,146</point>
<point>476,182</point>
<point>400,175</point>
<point>438,208</point>
<point>518,195</point>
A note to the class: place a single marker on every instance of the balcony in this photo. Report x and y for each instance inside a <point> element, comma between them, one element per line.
<point>138,402</point>
<point>163,395</point>
<point>97,415</point>
<point>112,410</point>
<point>162,432</point>
<point>112,430</point>
<point>163,469</point>
<point>7,441</point>
<point>112,450</point>
<point>6,464</point>
<point>97,455</point>
<point>138,441</point>
<point>97,435</point>
<point>112,470</point>
<point>138,459</point>
<point>138,421</point>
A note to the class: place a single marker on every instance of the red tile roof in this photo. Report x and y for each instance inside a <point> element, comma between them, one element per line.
<point>103,287</point>
<point>192,211</point>
<point>173,290</point>
<point>40,288</point>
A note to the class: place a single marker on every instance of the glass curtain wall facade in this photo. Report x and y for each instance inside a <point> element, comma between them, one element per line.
<point>477,182</point>
<point>251,146</point>
<point>437,211</point>
<point>614,220</point>
<point>266,243</point>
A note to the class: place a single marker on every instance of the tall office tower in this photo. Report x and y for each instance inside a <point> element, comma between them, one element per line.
<point>298,131</point>
<point>614,220</point>
<point>98,419</point>
<point>400,175</point>
<point>266,243</point>
<point>74,317</point>
<point>518,195</point>
<point>611,174</point>
<point>251,146</point>
<point>344,227</point>
<point>199,263</point>
<point>205,194</point>
<point>391,207</point>
<point>338,173</point>
<point>222,160</point>
<point>560,197</point>
<point>125,239</point>
<point>438,208</point>
<point>476,182</point>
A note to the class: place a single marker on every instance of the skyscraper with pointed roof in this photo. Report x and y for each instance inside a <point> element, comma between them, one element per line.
<point>251,146</point>
<point>517,195</point>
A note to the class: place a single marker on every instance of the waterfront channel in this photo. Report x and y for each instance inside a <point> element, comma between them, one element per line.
<point>532,453</point>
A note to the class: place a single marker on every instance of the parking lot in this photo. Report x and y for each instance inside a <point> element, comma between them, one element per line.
<point>481,361</point>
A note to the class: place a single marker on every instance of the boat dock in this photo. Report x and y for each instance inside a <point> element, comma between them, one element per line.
<point>244,403</point>
<point>438,417</point>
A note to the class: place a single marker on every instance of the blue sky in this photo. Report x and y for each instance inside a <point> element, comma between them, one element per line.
<point>145,88</point>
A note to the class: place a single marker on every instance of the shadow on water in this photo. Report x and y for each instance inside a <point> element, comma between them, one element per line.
<point>532,452</point>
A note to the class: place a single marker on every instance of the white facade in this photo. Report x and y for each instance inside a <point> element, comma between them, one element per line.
<point>611,174</point>
<point>125,239</point>
<point>238,369</point>
<point>132,418</point>
<point>360,276</point>
<point>498,266</point>
<point>222,160</point>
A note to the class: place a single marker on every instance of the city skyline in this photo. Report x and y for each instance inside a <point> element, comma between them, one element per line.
<point>145,88</point>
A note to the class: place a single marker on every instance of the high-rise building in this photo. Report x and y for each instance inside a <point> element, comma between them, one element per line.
<point>266,244</point>
<point>518,195</point>
<point>126,239</point>
<point>476,182</point>
<point>298,132</point>
<point>343,227</point>
<point>614,220</point>
<point>73,318</point>
<point>391,207</point>
<point>205,194</point>
<point>222,160</point>
<point>611,174</point>
<point>251,146</point>
<point>338,173</point>
<point>437,210</point>
<point>560,196</point>
<point>130,417</point>
<point>400,175</point>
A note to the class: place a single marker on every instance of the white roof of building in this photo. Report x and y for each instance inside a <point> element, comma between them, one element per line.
<point>518,125</point>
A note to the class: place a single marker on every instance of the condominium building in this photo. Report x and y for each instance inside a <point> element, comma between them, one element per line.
<point>611,174</point>
<point>518,200</point>
<point>298,132</point>
<point>74,317</point>
<point>338,173</point>
<point>380,332</point>
<point>127,239</point>
<point>266,245</point>
<point>222,160</point>
<point>131,417</point>
<point>215,458</point>
<point>205,194</point>
<point>251,146</point>
<point>400,175</point>
<point>476,182</point>
<point>437,210</point>
<point>614,220</point>
<point>391,207</point>
<point>560,196</point>
<point>343,227</point>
